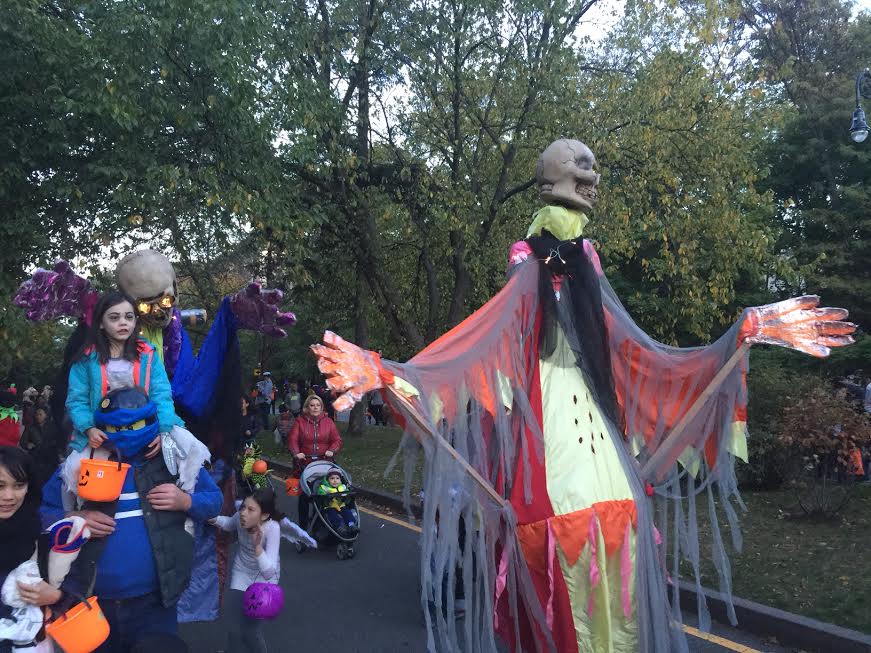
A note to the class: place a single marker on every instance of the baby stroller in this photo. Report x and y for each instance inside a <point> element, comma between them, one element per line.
<point>319,526</point>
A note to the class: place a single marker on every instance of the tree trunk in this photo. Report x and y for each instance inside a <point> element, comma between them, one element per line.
<point>357,425</point>
<point>462,279</point>
<point>361,327</point>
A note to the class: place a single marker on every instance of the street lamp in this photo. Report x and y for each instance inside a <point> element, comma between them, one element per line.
<point>859,128</point>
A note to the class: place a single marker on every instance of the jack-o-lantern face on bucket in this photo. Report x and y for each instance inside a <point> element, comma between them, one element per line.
<point>84,477</point>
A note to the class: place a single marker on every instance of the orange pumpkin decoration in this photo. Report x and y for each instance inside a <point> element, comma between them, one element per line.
<point>259,467</point>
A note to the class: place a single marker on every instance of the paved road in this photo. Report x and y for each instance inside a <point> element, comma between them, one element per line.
<point>371,604</point>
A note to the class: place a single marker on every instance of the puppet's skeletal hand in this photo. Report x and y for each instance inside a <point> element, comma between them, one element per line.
<point>256,309</point>
<point>58,292</point>
<point>799,324</point>
<point>350,370</point>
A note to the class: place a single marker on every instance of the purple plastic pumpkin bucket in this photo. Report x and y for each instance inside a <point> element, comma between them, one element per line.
<point>262,601</point>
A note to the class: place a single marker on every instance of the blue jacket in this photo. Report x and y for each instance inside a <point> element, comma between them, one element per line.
<point>88,385</point>
<point>149,550</point>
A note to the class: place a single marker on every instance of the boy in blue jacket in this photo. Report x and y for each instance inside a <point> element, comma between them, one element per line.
<point>143,542</point>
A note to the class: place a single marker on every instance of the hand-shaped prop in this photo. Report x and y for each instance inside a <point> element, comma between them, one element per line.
<point>354,372</point>
<point>256,309</point>
<point>54,293</point>
<point>798,324</point>
<point>350,370</point>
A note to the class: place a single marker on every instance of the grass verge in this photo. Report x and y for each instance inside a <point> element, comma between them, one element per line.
<point>813,568</point>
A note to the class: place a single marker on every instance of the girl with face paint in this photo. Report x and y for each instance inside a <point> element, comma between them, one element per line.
<point>114,357</point>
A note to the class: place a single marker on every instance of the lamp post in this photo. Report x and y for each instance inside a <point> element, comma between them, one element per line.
<point>859,127</point>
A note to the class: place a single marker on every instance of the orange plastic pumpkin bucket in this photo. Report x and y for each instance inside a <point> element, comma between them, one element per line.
<point>81,629</point>
<point>291,485</point>
<point>101,480</point>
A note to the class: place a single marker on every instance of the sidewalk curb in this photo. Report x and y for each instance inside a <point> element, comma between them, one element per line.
<point>789,629</point>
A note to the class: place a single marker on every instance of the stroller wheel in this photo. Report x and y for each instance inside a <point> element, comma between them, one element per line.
<point>342,551</point>
<point>300,547</point>
<point>350,553</point>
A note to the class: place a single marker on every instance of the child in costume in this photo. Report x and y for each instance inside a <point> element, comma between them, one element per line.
<point>24,592</point>
<point>257,525</point>
<point>340,516</point>
<point>115,357</point>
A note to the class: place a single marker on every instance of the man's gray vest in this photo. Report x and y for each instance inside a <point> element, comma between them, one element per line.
<point>172,545</point>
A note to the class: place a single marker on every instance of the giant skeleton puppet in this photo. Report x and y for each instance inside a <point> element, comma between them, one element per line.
<point>572,449</point>
<point>205,386</point>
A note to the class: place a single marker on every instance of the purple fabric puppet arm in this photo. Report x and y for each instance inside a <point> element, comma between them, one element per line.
<point>256,309</point>
<point>54,293</point>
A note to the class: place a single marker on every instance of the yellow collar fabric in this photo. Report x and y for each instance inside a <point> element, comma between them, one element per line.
<point>563,223</point>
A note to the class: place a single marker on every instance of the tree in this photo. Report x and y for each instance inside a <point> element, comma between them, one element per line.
<point>375,158</point>
<point>682,222</point>
<point>809,53</point>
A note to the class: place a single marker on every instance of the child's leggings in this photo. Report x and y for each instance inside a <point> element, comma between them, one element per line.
<point>245,634</point>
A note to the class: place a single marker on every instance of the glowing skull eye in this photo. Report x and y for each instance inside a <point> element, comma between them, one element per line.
<point>166,302</point>
<point>144,308</point>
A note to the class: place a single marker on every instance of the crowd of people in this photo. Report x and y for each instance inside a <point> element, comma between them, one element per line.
<point>277,404</point>
<point>134,547</point>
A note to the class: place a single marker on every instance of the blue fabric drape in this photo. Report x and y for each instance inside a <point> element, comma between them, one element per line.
<point>195,382</point>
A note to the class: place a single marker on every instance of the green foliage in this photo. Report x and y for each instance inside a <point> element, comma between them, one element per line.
<point>809,54</point>
<point>776,380</point>
<point>682,223</point>
<point>823,433</point>
<point>30,354</point>
<point>377,164</point>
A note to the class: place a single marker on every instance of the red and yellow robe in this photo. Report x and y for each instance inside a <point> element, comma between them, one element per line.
<point>570,561</point>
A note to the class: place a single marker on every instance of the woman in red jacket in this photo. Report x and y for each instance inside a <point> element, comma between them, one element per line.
<point>313,435</point>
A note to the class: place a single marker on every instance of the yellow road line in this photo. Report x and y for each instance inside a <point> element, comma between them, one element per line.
<point>720,641</point>
<point>392,520</point>
<point>695,632</point>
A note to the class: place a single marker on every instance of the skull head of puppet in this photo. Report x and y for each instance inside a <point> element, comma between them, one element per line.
<point>148,277</point>
<point>564,175</point>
